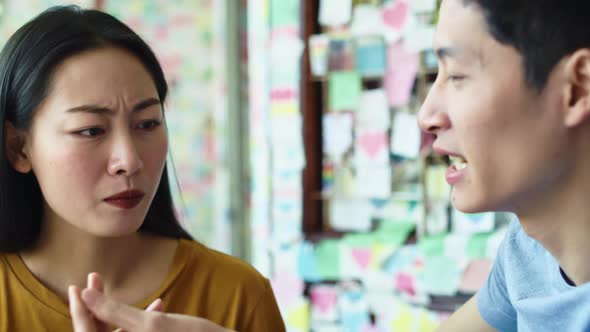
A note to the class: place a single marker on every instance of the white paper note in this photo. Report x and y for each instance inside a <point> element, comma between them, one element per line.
<point>373,182</point>
<point>373,112</point>
<point>337,134</point>
<point>405,135</point>
<point>335,12</point>
<point>350,214</point>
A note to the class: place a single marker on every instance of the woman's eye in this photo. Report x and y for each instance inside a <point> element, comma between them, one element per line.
<point>91,132</point>
<point>150,124</point>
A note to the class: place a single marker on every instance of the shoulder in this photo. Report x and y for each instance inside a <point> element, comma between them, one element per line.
<point>527,267</point>
<point>223,268</point>
<point>519,246</point>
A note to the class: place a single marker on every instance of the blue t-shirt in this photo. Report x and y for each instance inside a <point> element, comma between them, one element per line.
<point>526,290</point>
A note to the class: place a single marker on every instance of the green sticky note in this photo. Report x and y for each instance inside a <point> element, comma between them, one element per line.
<point>432,245</point>
<point>359,240</point>
<point>328,259</point>
<point>396,226</point>
<point>441,275</point>
<point>284,13</point>
<point>477,245</point>
<point>345,90</point>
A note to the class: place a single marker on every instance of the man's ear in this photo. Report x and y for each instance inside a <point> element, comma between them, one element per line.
<point>14,145</point>
<point>577,73</point>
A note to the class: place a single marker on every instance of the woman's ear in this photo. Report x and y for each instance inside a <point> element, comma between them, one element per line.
<point>14,141</point>
<point>577,71</point>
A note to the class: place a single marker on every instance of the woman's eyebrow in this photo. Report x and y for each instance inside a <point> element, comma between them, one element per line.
<point>96,109</point>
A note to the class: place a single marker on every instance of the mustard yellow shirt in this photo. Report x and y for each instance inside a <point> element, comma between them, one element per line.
<point>201,282</point>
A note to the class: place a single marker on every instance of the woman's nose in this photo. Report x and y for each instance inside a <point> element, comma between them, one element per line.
<point>125,160</point>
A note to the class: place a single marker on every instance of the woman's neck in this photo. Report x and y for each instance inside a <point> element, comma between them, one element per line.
<point>65,255</point>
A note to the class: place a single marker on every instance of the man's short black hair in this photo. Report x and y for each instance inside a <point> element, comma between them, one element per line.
<point>543,31</point>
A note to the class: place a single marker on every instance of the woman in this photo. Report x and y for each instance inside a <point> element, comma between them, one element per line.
<point>84,186</point>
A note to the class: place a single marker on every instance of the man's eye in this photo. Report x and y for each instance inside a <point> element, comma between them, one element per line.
<point>91,132</point>
<point>456,78</point>
<point>150,124</point>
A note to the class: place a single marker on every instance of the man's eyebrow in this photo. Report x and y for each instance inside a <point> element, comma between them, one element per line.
<point>104,110</point>
<point>443,53</point>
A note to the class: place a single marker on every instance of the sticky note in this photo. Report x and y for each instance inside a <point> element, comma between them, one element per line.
<point>420,37</point>
<point>341,54</point>
<point>284,13</point>
<point>441,275</point>
<point>405,135</point>
<point>307,263</point>
<point>472,223</point>
<point>350,214</point>
<point>287,287</point>
<point>324,301</point>
<point>366,20</point>
<point>432,245</point>
<point>401,74</point>
<point>373,182</point>
<point>328,259</point>
<point>477,245</point>
<point>335,12</point>
<point>337,134</point>
<point>318,54</point>
<point>370,56</point>
<point>373,112</point>
<point>396,18</point>
<point>345,90</point>
<point>371,148</point>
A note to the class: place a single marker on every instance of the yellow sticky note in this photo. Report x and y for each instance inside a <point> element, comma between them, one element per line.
<point>403,321</point>
<point>298,317</point>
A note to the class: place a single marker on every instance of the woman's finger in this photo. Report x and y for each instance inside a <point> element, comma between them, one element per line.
<point>94,281</point>
<point>157,305</point>
<point>82,320</point>
<point>112,312</point>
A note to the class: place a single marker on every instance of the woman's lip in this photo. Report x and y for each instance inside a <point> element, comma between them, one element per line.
<point>127,199</point>
<point>127,194</point>
<point>125,203</point>
<point>454,175</point>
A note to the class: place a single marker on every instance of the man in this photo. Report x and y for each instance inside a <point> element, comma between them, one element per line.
<point>511,107</point>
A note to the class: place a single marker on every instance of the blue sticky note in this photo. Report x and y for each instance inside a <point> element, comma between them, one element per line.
<point>370,56</point>
<point>307,263</point>
<point>354,310</point>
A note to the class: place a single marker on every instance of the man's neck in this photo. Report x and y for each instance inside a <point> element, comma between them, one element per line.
<point>562,225</point>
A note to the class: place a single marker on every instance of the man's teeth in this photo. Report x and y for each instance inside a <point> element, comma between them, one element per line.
<point>459,163</point>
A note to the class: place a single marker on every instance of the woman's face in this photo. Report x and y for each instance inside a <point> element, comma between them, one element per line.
<point>98,143</point>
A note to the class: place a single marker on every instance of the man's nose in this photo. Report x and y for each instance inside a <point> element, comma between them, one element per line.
<point>432,117</point>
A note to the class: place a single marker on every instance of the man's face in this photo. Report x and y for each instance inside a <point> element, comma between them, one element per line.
<point>507,138</point>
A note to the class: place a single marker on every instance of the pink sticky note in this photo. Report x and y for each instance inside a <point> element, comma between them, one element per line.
<point>396,14</point>
<point>362,256</point>
<point>372,143</point>
<point>287,287</point>
<point>324,298</point>
<point>405,283</point>
<point>401,74</point>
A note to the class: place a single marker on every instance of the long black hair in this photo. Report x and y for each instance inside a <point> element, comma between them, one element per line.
<point>27,63</point>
